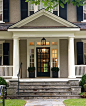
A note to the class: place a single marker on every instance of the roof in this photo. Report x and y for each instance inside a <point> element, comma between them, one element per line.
<point>40,13</point>
<point>5,26</point>
<point>82,25</point>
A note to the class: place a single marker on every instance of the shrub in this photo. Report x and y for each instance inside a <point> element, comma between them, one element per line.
<point>83,81</point>
<point>54,69</point>
<point>2,81</point>
<point>83,94</point>
<point>31,69</point>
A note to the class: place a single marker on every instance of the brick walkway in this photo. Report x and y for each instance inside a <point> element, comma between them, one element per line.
<point>45,102</point>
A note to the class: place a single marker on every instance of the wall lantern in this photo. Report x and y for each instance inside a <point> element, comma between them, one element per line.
<point>43,41</point>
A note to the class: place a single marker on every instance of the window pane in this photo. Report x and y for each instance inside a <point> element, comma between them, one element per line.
<point>55,50</point>
<point>55,55</point>
<point>52,50</point>
<point>47,43</point>
<point>52,43</point>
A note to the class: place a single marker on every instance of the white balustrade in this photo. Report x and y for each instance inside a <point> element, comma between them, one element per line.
<point>6,70</point>
<point>80,70</point>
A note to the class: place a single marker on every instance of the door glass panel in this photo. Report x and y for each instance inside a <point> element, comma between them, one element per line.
<point>43,56</point>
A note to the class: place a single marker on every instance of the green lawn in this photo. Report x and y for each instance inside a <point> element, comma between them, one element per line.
<point>75,102</point>
<point>14,102</point>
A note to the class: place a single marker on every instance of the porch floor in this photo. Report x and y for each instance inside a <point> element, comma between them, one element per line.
<point>41,79</point>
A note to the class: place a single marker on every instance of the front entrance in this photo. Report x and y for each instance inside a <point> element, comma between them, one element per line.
<point>43,61</point>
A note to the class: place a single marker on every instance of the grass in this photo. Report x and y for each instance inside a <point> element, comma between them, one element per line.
<point>75,102</point>
<point>14,102</point>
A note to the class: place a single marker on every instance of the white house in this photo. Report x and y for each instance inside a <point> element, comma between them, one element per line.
<point>22,27</point>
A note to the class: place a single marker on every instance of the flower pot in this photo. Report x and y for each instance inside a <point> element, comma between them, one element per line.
<point>31,74</point>
<point>55,74</point>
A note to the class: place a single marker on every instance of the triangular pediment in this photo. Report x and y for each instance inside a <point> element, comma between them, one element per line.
<point>43,18</point>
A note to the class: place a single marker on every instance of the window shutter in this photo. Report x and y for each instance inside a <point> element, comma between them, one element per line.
<point>79,53</point>
<point>63,12</point>
<point>24,9</point>
<point>6,10</point>
<point>5,53</point>
<point>80,13</point>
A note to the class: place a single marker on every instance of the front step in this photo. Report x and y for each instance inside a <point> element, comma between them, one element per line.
<point>43,97</point>
<point>57,89</point>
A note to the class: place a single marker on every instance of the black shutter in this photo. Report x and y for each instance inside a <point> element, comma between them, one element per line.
<point>80,13</point>
<point>5,53</point>
<point>24,9</point>
<point>6,10</point>
<point>79,53</point>
<point>63,12</point>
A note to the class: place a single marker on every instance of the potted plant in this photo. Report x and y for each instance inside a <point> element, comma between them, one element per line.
<point>31,71</point>
<point>84,87</point>
<point>55,72</point>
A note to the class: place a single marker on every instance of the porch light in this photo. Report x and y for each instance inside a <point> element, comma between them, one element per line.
<point>43,41</point>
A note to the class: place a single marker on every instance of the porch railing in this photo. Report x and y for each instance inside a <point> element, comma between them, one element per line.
<point>6,70</point>
<point>80,70</point>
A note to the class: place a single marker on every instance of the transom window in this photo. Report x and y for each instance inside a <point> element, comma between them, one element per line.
<point>39,43</point>
<point>31,44</point>
<point>1,10</point>
<point>54,43</point>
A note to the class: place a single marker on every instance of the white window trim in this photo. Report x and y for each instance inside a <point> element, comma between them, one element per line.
<point>2,12</point>
<point>36,9</point>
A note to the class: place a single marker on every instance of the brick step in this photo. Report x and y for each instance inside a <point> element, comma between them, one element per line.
<point>44,90</point>
<point>40,83</point>
<point>44,93</point>
<point>42,87</point>
<point>43,96</point>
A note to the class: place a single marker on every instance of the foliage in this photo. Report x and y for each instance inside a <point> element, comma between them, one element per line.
<point>83,81</point>
<point>83,94</point>
<point>31,69</point>
<point>84,86</point>
<point>55,69</point>
<point>14,102</point>
<point>50,4</point>
<point>2,81</point>
<point>75,102</point>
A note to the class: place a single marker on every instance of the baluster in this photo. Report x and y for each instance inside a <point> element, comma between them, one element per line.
<point>77,70</point>
<point>81,70</point>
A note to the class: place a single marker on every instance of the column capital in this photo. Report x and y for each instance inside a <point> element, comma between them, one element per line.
<point>16,38</point>
<point>71,37</point>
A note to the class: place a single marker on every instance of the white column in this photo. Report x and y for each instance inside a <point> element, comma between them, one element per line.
<point>15,57</point>
<point>71,68</point>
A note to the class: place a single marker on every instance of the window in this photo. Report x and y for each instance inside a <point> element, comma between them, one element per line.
<point>31,44</point>
<point>1,10</point>
<point>54,43</point>
<point>84,12</point>
<point>40,6</point>
<point>54,57</point>
<point>55,10</point>
<point>31,57</point>
<point>39,43</point>
<point>84,47</point>
<point>31,9</point>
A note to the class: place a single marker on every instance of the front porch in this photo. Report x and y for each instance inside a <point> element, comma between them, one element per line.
<point>61,55</point>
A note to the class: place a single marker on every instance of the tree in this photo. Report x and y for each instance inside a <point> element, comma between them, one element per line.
<point>50,4</point>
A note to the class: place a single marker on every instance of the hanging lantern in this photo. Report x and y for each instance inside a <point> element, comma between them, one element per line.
<point>43,41</point>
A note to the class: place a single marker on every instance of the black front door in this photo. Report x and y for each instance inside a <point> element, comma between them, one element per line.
<point>43,61</point>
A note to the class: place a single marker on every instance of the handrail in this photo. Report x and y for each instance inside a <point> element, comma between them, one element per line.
<point>18,76</point>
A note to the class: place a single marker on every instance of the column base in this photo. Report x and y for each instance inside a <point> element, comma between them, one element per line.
<point>14,77</point>
<point>71,77</point>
